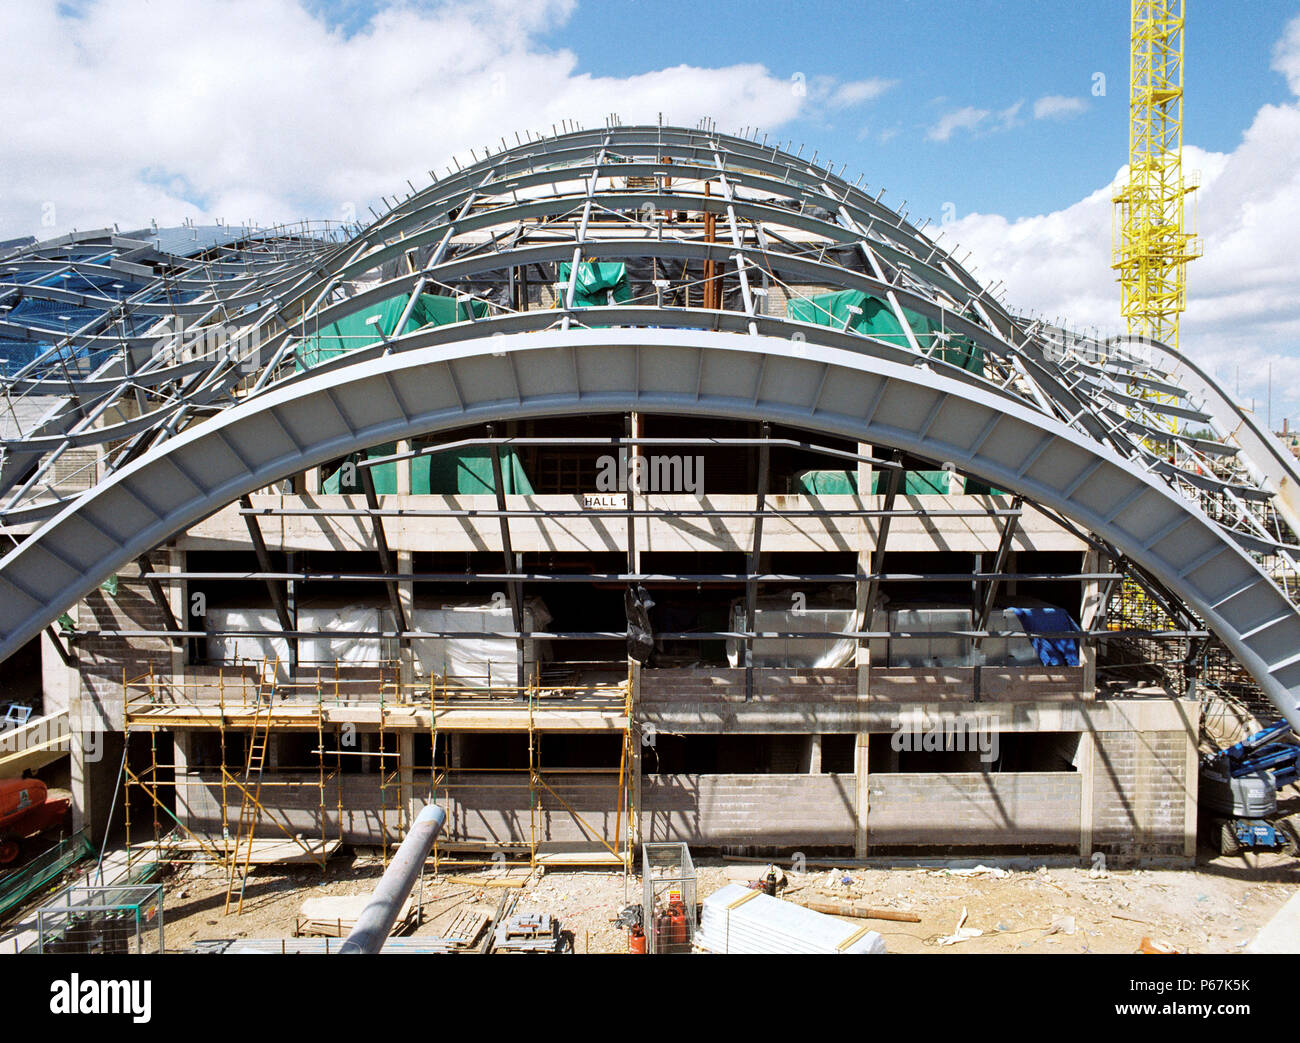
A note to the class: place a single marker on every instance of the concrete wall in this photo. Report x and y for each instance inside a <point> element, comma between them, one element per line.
<point>293,800</point>
<point>1033,809</point>
<point>494,808</point>
<point>487,808</point>
<point>591,532</point>
<point>790,811</point>
<point>104,661</point>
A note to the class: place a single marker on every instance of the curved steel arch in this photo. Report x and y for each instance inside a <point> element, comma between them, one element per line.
<point>818,388</point>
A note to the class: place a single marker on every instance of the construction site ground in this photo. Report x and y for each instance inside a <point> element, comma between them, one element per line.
<point>1016,905</point>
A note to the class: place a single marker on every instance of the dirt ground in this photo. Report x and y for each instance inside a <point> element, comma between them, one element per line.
<point>1017,905</point>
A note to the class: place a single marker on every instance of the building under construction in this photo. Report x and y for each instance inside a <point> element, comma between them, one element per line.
<point>630,484</point>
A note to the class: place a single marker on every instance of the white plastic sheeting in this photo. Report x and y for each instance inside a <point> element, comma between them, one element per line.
<point>739,920</point>
<point>941,650</point>
<point>243,647</point>
<point>357,645</point>
<point>477,661</point>
<point>792,614</point>
<point>348,634</point>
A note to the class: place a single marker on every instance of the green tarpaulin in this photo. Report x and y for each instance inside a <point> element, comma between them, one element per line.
<point>357,330</point>
<point>599,283</point>
<point>915,483</point>
<point>470,471</point>
<point>466,472</point>
<point>829,483</point>
<point>384,475</point>
<point>858,311</point>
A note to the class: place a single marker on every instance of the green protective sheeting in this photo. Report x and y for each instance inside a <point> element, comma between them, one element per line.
<point>825,483</point>
<point>599,283</point>
<point>465,473</point>
<point>860,312</point>
<point>356,331</point>
<point>974,487</point>
<point>384,475</point>
<point>469,472</point>
<point>915,483</point>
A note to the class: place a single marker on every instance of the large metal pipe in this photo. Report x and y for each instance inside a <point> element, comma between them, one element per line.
<point>376,919</point>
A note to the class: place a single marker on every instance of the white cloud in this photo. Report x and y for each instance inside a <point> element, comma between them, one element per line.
<point>259,109</point>
<point>972,119</point>
<point>1058,106</point>
<point>1243,294</point>
<point>967,118</point>
<point>858,91</point>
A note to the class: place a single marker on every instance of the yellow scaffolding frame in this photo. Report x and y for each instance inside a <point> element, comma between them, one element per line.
<point>154,703</point>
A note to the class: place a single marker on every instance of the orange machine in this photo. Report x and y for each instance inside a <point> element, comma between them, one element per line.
<point>24,811</point>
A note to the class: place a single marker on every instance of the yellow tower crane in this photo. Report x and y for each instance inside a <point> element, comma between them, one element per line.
<point>1151,245</point>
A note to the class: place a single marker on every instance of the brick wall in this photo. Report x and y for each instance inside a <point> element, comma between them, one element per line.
<point>495,808</point>
<point>294,802</point>
<point>973,808</point>
<point>103,660</point>
<point>480,809</point>
<point>749,810</point>
<point>1140,792</point>
<point>727,684</point>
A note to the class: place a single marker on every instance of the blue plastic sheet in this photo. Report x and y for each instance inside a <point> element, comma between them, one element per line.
<point>1052,651</point>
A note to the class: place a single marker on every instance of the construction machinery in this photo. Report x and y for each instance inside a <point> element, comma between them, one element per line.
<point>25,810</point>
<point>1239,791</point>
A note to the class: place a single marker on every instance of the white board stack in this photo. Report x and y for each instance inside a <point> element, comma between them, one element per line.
<point>737,919</point>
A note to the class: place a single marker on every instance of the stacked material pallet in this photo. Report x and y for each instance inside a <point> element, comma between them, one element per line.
<point>334,916</point>
<point>737,919</point>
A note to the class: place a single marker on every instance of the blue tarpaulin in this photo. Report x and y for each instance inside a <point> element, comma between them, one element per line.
<point>1052,651</point>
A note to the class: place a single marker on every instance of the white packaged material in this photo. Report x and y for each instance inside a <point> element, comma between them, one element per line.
<point>230,649</point>
<point>344,621</point>
<point>737,919</point>
<point>477,661</point>
<point>786,615</point>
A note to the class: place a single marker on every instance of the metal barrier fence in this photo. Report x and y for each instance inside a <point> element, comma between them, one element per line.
<point>47,866</point>
<point>120,920</point>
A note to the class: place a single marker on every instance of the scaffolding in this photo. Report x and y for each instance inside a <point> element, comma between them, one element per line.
<point>254,702</point>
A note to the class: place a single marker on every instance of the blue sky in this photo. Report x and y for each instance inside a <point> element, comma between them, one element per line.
<point>275,110</point>
<point>944,55</point>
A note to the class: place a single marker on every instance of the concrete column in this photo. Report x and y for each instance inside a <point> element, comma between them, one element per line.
<point>866,544</point>
<point>406,776</point>
<point>1090,610</point>
<point>406,595</point>
<point>59,682</point>
<point>862,775</point>
<point>1191,793</point>
<point>1084,762</point>
<point>814,755</point>
<point>182,756</point>
<point>403,469</point>
<point>176,602</point>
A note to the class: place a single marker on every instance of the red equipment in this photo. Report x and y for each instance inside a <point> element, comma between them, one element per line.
<point>24,811</point>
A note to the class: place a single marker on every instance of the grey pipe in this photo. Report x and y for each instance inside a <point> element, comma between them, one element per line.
<point>376,919</point>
